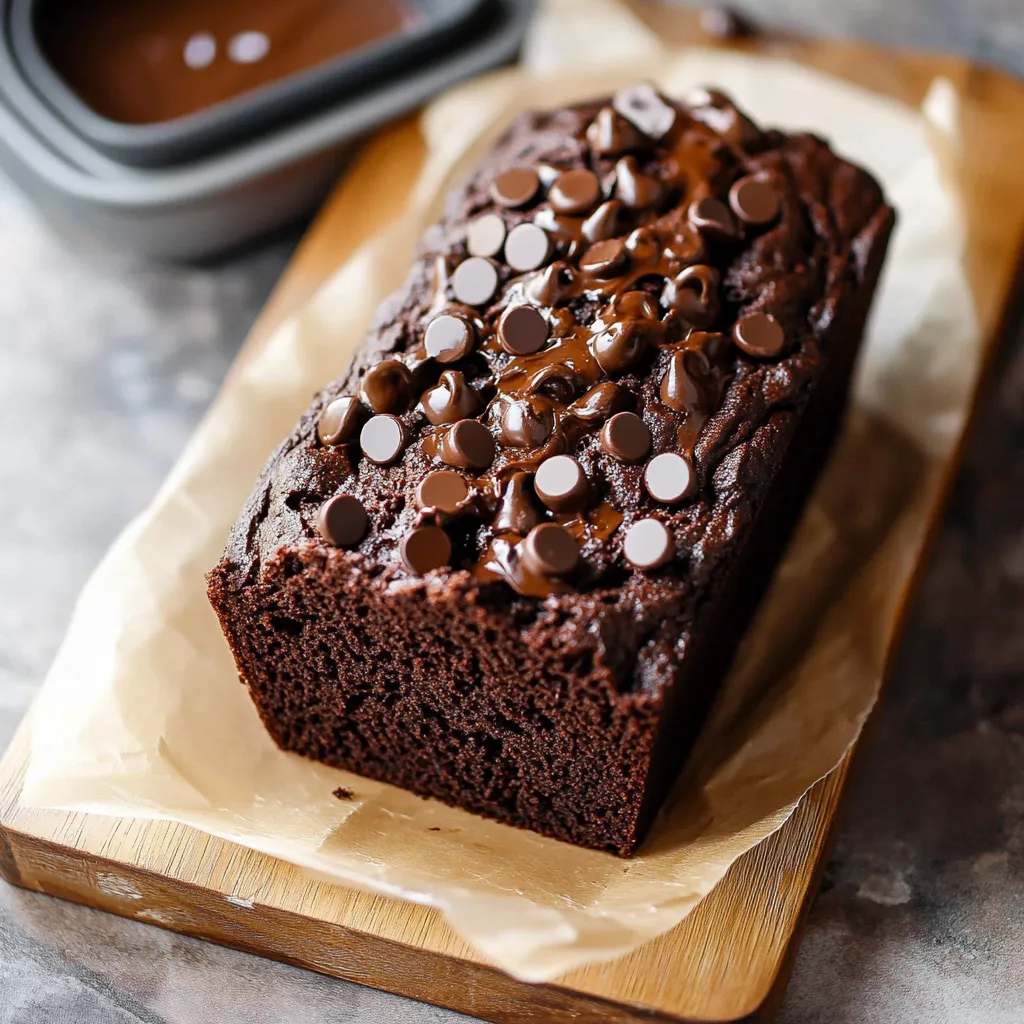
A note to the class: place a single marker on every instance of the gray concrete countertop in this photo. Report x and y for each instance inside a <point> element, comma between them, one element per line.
<point>105,369</point>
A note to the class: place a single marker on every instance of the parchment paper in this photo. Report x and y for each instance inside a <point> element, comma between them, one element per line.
<point>142,714</point>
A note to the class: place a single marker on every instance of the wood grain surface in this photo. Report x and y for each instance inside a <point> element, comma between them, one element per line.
<point>729,960</point>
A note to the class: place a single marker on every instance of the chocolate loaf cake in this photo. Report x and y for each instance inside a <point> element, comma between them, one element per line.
<point>506,559</point>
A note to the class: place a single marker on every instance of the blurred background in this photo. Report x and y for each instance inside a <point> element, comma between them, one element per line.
<point>134,256</point>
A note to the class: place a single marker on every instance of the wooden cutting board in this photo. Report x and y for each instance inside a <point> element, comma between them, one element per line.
<point>728,961</point>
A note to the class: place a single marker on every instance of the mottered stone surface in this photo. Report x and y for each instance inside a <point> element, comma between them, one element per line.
<point>105,368</point>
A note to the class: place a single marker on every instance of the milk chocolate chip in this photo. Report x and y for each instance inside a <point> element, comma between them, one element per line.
<point>387,386</point>
<point>527,247</point>
<point>600,402</point>
<point>605,259</point>
<point>340,420</point>
<point>443,490</point>
<point>550,550</point>
<point>515,187</point>
<point>425,548</point>
<point>712,217</point>
<point>522,330</point>
<point>486,235</point>
<point>637,190</point>
<point>556,381</point>
<point>604,222</point>
<point>619,346</point>
<point>450,399</point>
<point>382,439</point>
<point>759,335</point>
<point>645,108</point>
<point>449,337</point>
<point>647,544</point>
<point>475,281</point>
<point>518,511</point>
<point>693,293</point>
<point>575,192</point>
<point>469,445</point>
<point>610,134</point>
<point>526,422</point>
<point>554,284</point>
<point>342,521</point>
<point>754,200</point>
<point>669,478</point>
<point>625,437</point>
<point>561,483</point>
<point>680,387</point>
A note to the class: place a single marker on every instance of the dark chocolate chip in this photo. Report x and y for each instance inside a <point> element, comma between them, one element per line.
<point>515,187</point>
<point>475,281</point>
<point>600,402</point>
<point>626,437</point>
<point>556,381</point>
<point>725,24</point>
<point>449,337</point>
<point>443,490</point>
<point>518,511</point>
<point>619,346</point>
<point>550,550</point>
<point>635,305</point>
<point>694,294</point>
<point>713,217</point>
<point>450,399</point>
<point>669,478</point>
<point>342,521</point>
<point>486,235</point>
<point>604,222</point>
<point>644,245</point>
<point>610,134</point>
<point>575,192</point>
<point>387,386</point>
<point>637,190</point>
<point>340,420</point>
<point>527,247</point>
<point>526,422</point>
<point>754,200</point>
<point>469,445</point>
<point>647,544</point>
<point>522,330</point>
<point>759,335</point>
<point>645,108</point>
<point>680,387</point>
<point>425,548</point>
<point>382,439</point>
<point>605,259</point>
<point>561,483</point>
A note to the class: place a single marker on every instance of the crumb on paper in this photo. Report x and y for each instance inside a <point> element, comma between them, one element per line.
<point>343,793</point>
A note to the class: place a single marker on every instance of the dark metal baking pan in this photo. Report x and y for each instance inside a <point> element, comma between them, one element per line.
<point>444,25</point>
<point>215,204</point>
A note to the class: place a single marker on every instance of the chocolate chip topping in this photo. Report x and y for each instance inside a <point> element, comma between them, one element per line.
<point>340,420</point>
<point>342,521</point>
<point>669,478</point>
<point>680,387</point>
<point>527,247</point>
<point>626,437</point>
<point>382,439</point>
<point>694,294</point>
<point>636,190</point>
<point>486,235</point>
<point>550,550</point>
<point>713,217</point>
<point>605,259</point>
<point>754,200</point>
<point>561,483</point>
<point>522,330</point>
<point>604,222</point>
<point>450,399</point>
<point>516,187</point>
<point>526,422</point>
<point>610,134</point>
<point>387,386</point>
<point>518,512</point>
<point>619,346</point>
<point>647,544</point>
<point>759,335</point>
<point>646,109</point>
<point>600,402</point>
<point>449,337</point>
<point>575,192</point>
<point>475,281</point>
<point>469,445</point>
<point>443,490</point>
<point>425,548</point>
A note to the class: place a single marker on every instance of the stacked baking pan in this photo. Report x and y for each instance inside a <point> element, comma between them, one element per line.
<point>208,179</point>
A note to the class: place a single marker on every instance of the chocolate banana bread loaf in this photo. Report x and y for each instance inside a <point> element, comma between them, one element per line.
<point>506,559</point>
